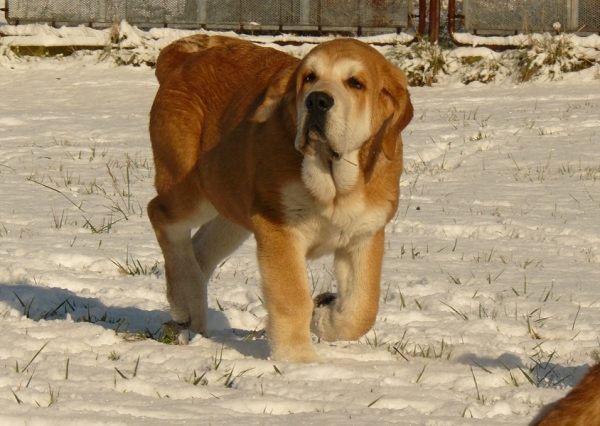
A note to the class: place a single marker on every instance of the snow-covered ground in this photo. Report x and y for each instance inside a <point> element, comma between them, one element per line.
<point>490,299</point>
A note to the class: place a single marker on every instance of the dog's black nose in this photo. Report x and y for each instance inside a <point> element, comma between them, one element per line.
<point>319,102</point>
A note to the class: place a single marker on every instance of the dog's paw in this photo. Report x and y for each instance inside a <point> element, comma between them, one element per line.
<point>324,299</point>
<point>304,354</point>
<point>183,338</point>
<point>181,331</point>
<point>320,325</point>
<point>186,335</point>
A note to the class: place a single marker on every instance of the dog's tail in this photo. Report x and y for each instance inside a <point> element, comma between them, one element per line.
<point>177,52</point>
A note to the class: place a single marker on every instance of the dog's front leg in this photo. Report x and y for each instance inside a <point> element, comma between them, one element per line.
<point>285,287</point>
<point>352,312</point>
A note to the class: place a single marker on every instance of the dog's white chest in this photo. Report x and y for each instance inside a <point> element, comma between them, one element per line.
<point>322,228</point>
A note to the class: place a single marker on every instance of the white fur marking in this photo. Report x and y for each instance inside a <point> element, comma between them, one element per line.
<point>323,227</point>
<point>345,172</point>
<point>317,178</point>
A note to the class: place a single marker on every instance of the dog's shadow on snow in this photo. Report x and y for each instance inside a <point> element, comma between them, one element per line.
<point>51,303</point>
<point>541,373</point>
<point>57,304</point>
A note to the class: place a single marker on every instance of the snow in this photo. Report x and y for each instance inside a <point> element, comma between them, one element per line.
<point>588,41</point>
<point>45,35</point>
<point>131,36</point>
<point>489,308</point>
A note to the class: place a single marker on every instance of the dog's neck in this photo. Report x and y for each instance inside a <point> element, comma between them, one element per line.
<point>327,179</point>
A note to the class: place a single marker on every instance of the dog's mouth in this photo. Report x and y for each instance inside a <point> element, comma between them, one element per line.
<point>315,143</point>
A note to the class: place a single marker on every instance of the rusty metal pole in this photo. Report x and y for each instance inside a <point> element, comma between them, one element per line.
<point>434,21</point>
<point>451,18</point>
<point>422,17</point>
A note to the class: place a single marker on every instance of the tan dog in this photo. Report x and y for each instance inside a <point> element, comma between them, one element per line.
<point>581,406</point>
<point>305,154</point>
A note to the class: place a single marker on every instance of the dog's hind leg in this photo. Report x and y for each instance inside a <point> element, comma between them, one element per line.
<point>186,283</point>
<point>215,241</point>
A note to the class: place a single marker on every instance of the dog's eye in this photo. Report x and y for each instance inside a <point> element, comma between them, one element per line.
<point>355,84</point>
<point>310,78</point>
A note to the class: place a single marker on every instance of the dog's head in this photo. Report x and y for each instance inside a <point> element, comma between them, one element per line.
<point>343,94</point>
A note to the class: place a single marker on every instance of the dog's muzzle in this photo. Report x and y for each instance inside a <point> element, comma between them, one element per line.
<point>315,140</point>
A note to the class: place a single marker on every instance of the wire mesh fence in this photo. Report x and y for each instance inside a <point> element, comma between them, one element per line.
<point>229,14</point>
<point>588,16</point>
<point>481,16</point>
<point>532,15</point>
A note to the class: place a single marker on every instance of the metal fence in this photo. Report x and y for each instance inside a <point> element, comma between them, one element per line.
<point>531,15</point>
<point>477,16</point>
<point>218,14</point>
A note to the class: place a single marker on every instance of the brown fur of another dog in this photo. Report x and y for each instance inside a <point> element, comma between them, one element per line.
<point>581,406</point>
<point>305,154</point>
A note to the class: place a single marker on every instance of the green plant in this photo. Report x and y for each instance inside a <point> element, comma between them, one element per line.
<point>134,266</point>
<point>422,62</point>
<point>549,55</point>
<point>26,306</point>
<point>483,70</point>
<point>54,394</point>
<point>30,361</point>
<point>417,351</point>
<point>59,221</point>
<point>196,380</point>
<point>374,342</point>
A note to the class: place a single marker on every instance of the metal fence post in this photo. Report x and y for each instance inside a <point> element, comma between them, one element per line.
<point>304,12</point>
<point>572,15</point>
<point>102,10</point>
<point>201,18</point>
<point>422,17</point>
<point>452,19</point>
<point>434,21</point>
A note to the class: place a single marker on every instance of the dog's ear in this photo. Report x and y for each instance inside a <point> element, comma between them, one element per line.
<point>277,90</point>
<point>399,110</point>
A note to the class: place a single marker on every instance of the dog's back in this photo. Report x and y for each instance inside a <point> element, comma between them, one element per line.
<point>172,56</point>
<point>213,83</point>
<point>581,406</point>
